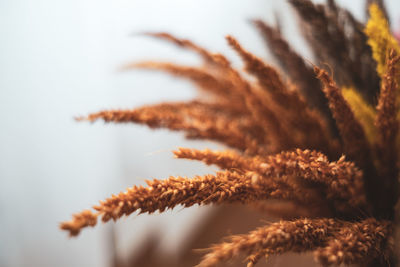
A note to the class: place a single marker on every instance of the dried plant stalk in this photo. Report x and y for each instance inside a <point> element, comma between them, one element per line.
<point>314,150</point>
<point>354,241</point>
<point>224,187</point>
<point>299,235</point>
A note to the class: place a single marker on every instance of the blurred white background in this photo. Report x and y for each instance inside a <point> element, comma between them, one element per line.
<point>59,59</point>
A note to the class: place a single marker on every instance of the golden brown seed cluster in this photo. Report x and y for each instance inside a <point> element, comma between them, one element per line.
<point>354,241</point>
<point>299,148</point>
<point>337,241</point>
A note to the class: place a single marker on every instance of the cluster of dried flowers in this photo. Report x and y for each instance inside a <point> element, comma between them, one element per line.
<point>328,146</point>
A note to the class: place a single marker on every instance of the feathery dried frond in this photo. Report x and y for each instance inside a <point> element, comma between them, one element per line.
<point>380,4</point>
<point>295,67</point>
<point>79,220</point>
<point>290,105</point>
<point>337,39</point>
<point>386,120</point>
<point>388,126</point>
<point>352,133</point>
<point>299,235</point>
<point>363,112</point>
<point>302,149</point>
<point>380,38</point>
<point>268,78</point>
<point>275,177</point>
<point>359,242</point>
<point>214,83</point>
<point>210,58</point>
<point>204,79</point>
<point>356,146</point>
<point>337,241</point>
<point>343,182</point>
<point>224,187</point>
<point>199,120</point>
<point>223,159</point>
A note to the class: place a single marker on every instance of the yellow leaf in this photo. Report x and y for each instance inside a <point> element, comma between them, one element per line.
<point>380,38</point>
<point>363,112</point>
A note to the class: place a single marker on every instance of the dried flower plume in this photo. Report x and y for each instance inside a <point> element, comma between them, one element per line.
<point>328,146</point>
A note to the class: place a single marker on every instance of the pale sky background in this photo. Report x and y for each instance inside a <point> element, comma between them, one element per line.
<point>59,59</point>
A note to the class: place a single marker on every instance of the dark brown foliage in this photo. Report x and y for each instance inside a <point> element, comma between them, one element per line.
<point>338,40</point>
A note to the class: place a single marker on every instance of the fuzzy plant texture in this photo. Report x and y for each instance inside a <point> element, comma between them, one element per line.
<point>326,142</point>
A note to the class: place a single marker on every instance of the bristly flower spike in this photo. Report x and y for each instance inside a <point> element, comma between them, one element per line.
<point>319,152</point>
